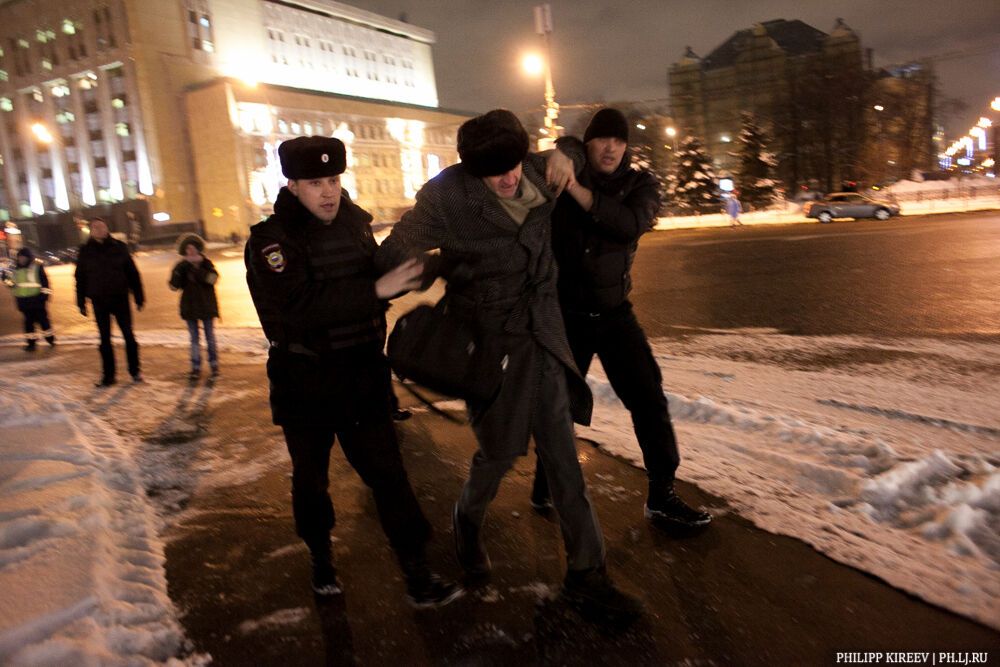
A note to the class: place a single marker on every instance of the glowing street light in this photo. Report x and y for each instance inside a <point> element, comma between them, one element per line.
<point>533,64</point>
<point>41,133</point>
<point>878,107</point>
<point>543,26</point>
<point>995,105</point>
<point>671,132</point>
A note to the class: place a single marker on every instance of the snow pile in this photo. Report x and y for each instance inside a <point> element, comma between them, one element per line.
<point>81,566</point>
<point>892,468</point>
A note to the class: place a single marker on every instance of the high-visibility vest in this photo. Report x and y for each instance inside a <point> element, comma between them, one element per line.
<point>26,281</point>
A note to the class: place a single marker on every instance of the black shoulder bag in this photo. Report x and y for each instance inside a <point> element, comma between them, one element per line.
<point>446,353</point>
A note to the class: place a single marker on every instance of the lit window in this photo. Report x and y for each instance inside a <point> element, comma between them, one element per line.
<point>118,103</point>
<point>121,129</point>
<point>6,104</point>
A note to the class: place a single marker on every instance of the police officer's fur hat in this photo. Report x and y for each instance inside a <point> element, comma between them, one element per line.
<point>492,144</point>
<point>26,252</point>
<point>607,122</point>
<point>312,157</point>
<point>190,239</point>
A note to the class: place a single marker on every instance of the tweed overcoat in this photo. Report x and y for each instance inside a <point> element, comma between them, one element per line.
<point>502,276</point>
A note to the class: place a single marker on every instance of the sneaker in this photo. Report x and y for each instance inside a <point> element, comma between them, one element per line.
<point>596,598</point>
<point>426,590</point>
<point>541,501</point>
<point>194,375</point>
<point>400,415</point>
<point>29,346</point>
<point>104,382</point>
<point>664,506</point>
<point>472,555</point>
<point>137,378</point>
<point>324,578</point>
<point>215,371</point>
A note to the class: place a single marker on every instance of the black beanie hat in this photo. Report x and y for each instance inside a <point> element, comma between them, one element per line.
<point>492,144</point>
<point>26,252</point>
<point>312,157</point>
<point>607,122</point>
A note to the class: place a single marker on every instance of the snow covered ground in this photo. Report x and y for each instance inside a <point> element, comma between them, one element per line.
<point>81,562</point>
<point>883,455</point>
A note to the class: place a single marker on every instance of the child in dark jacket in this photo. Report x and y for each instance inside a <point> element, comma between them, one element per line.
<point>195,276</point>
<point>30,287</point>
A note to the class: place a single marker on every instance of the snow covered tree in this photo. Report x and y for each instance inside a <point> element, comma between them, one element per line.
<point>756,165</point>
<point>691,186</point>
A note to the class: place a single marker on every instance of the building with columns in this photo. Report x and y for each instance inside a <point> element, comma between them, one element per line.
<point>171,110</point>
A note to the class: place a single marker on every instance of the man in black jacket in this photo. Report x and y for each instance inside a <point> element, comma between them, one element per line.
<point>597,223</point>
<point>321,303</point>
<point>105,274</point>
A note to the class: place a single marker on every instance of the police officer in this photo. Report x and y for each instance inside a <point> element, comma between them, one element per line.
<point>30,287</point>
<point>321,303</point>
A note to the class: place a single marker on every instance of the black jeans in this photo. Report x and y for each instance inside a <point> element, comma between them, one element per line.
<point>372,450</point>
<point>620,343</point>
<point>118,307</point>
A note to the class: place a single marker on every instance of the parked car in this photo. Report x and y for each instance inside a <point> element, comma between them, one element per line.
<point>850,205</point>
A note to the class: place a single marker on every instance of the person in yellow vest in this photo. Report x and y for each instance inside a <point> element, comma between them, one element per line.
<point>30,287</point>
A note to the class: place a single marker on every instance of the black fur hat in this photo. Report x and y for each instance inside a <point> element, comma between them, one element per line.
<point>607,122</point>
<point>312,157</point>
<point>492,144</point>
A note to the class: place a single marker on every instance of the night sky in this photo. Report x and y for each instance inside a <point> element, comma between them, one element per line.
<point>605,51</point>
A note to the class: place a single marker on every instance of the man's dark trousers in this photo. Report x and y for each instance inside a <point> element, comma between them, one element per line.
<point>372,450</point>
<point>620,343</point>
<point>118,307</point>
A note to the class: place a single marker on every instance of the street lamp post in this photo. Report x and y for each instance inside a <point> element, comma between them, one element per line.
<point>543,26</point>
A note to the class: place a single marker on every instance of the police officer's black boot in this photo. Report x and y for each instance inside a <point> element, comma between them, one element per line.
<point>324,574</point>
<point>424,589</point>
<point>51,340</point>
<point>29,346</point>
<point>665,508</point>
<point>469,547</point>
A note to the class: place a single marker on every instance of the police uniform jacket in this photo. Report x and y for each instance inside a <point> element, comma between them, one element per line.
<point>313,285</point>
<point>595,249</point>
<point>502,276</point>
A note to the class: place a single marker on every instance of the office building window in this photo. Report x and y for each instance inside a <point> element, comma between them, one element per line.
<point>200,27</point>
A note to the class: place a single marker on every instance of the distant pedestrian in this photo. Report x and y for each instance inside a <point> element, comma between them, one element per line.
<point>195,276</point>
<point>30,287</point>
<point>734,208</point>
<point>105,274</point>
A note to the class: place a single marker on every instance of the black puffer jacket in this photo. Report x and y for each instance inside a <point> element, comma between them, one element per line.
<point>197,285</point>
<point>105,271</point>
<point>595,249</point>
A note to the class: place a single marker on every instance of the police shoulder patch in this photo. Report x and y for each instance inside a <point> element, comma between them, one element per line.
<point>274,257</point>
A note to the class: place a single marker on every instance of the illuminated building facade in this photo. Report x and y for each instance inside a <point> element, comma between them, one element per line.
<point>172,109</point>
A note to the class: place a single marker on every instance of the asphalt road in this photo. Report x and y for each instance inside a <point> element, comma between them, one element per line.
<point>915,276</point>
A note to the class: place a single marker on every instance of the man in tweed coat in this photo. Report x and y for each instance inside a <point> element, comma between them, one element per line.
<point>490,218</point>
